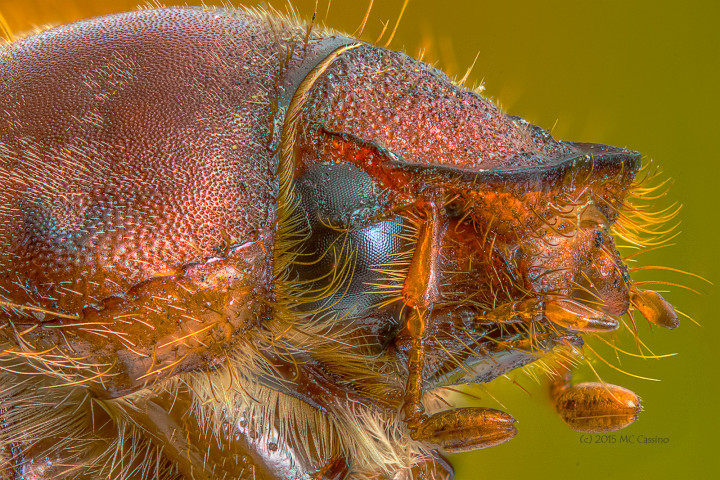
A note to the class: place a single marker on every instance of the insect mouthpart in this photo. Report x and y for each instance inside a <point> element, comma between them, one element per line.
<point>528,259</point>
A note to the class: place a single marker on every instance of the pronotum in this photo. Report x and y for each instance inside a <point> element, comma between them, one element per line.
<point>237,245</point>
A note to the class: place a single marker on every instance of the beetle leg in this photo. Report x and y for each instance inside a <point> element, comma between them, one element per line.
<point>238,449</point>
<point>433,467</point>
<point>413,407</point>
<point>420,292</point>
<point>430,468</point>
<point>304,378</point>
<point>593,406</point>
<point>459,429</point>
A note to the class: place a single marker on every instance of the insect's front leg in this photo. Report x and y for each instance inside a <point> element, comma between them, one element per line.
<point>203,442</point>
<point>457,429</point>
<point>420,293</point>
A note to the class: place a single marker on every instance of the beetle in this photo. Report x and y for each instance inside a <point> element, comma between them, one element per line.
<point>234,246</point>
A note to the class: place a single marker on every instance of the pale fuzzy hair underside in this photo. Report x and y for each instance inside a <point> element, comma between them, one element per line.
<point>224,403</point>
<point>377,444</point>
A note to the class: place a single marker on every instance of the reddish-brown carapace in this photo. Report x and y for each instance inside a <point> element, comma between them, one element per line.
<point>234,246</point>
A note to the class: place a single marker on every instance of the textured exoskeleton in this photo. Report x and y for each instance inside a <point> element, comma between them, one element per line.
<point>235,246</point>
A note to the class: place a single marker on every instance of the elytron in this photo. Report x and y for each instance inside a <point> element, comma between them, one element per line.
<point>234,244</point>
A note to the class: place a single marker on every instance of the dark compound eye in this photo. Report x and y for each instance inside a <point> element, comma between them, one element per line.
<point>346,253</point>
<point>339,195</point>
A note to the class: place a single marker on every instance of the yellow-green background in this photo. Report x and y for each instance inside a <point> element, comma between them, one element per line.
<point>641,74</point>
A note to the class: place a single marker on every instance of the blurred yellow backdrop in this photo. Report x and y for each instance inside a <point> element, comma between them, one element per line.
<point>635,73</point>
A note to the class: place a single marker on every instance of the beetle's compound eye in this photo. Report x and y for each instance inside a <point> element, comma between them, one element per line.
<point>339,195</point>
<point>346,253</point>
